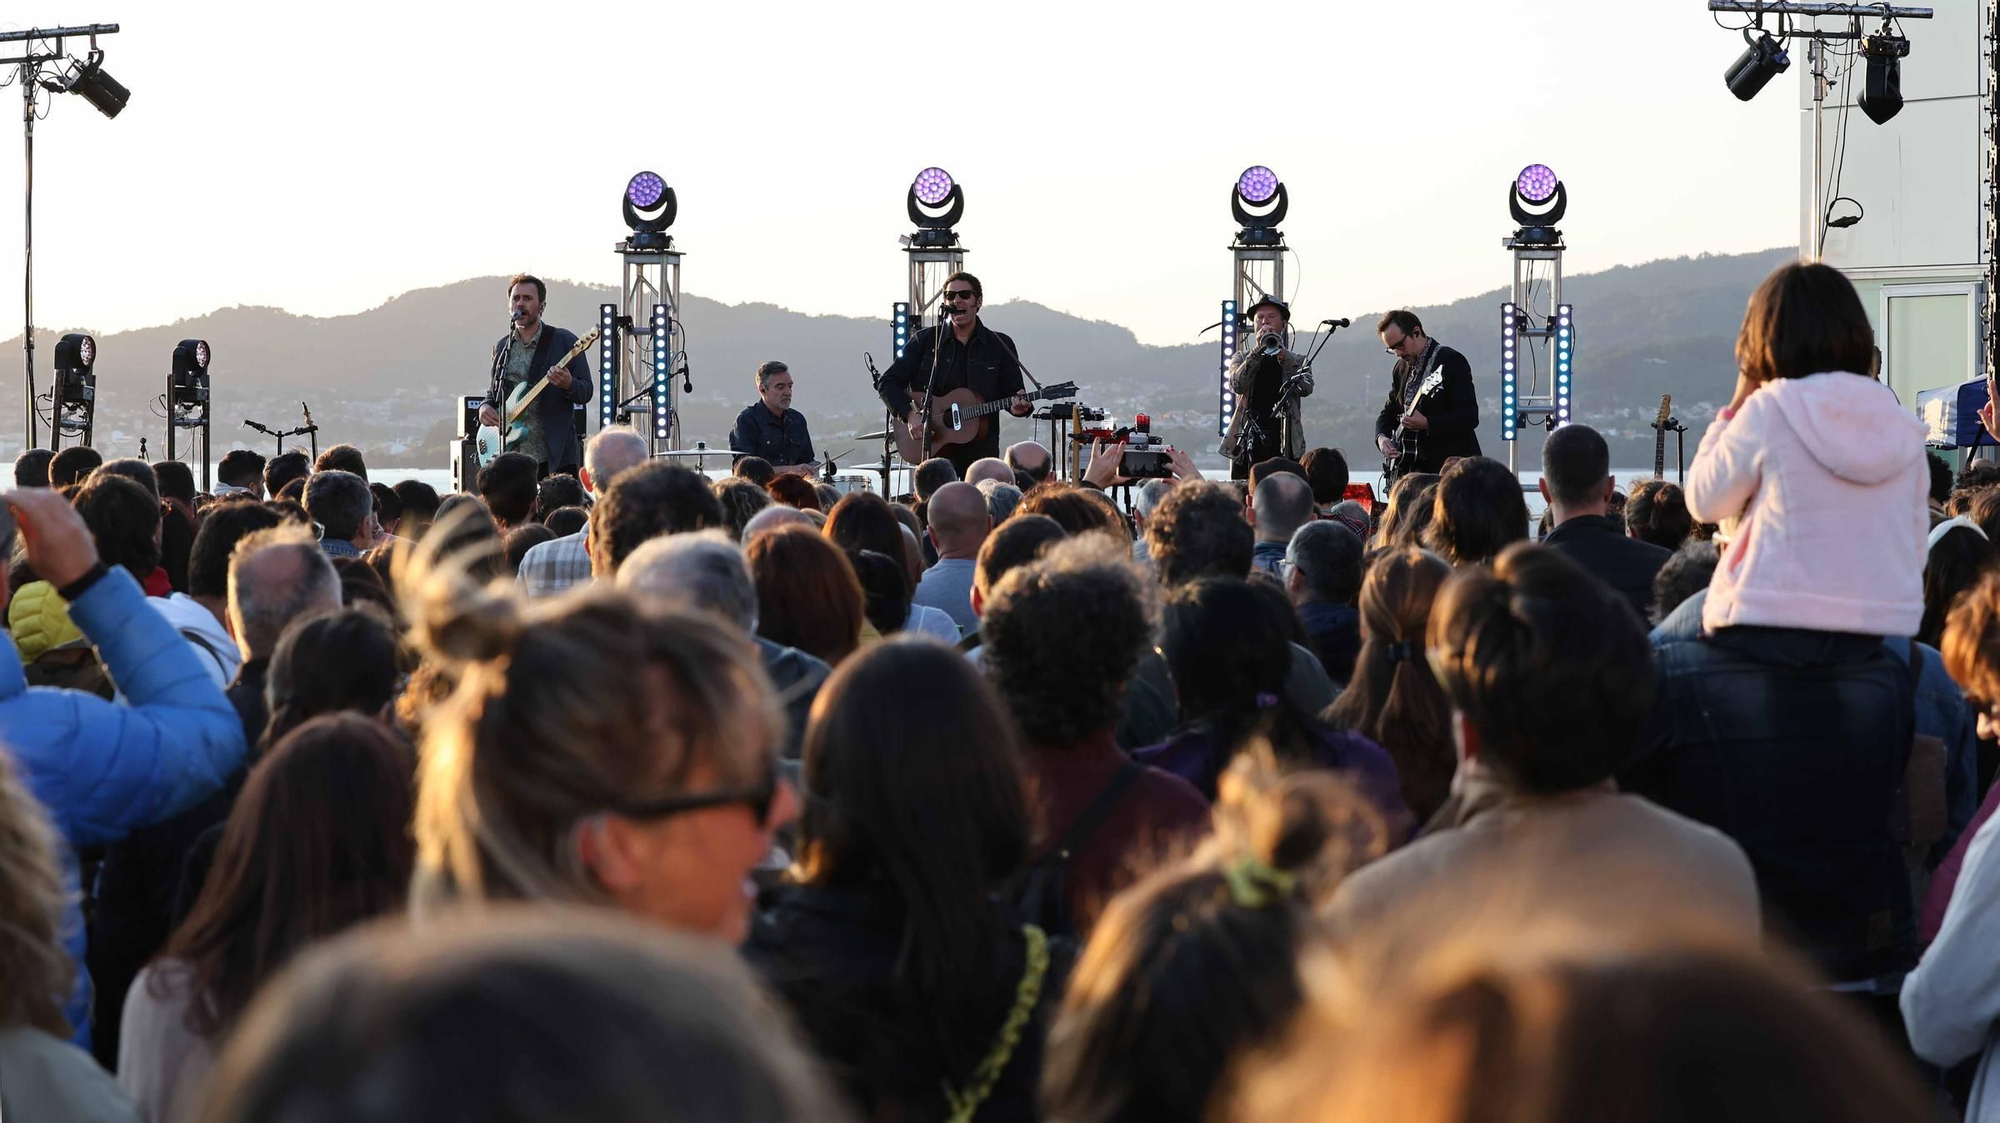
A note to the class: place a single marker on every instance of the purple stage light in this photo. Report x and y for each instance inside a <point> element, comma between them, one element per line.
<point>86,351</point>
<point>1536,183</point>
<point>933,186</point>
<point>1257,184</point>
<point>645,190</point>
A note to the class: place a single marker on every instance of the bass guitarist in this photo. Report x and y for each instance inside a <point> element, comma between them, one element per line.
<point>970,356</point>
<point>524,356</point>
<point>1431,414</point>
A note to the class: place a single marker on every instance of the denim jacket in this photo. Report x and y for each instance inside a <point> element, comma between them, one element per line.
<point>1793,743</point>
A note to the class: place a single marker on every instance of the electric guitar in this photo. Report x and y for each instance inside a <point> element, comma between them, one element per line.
<point>1409,441</point>
<point>958,417</point>
<point>1660,437</point>
<point>514,416</point>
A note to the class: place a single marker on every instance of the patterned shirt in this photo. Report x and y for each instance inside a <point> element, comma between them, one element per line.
<point>520,357</point>
<point>551,567</point>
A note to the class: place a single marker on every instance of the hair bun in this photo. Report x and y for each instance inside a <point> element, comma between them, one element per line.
<point>1312,824</point>
<point>452,616</point>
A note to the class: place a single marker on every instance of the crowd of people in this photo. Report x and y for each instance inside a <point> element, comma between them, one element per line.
<point>633,794</point>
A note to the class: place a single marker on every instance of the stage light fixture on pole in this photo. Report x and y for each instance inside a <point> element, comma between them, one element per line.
<point>640,378</point>
<point>1537,200</point>
<point>1764,59</point>
<point>935,204</point>
<point>1258,201</point>
<point>41,68</point>
<point>1882,87</point>
<point>1535,313</point>
<point>1258,187</point>
<point>74,399</point>
<point>187,399</point>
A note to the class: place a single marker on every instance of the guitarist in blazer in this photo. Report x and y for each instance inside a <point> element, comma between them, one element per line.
<point>524,355</point>
<point>968,355</point>
<point>1441,422</point>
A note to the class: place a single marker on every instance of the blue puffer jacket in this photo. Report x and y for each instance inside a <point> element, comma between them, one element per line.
<point>103,770</point>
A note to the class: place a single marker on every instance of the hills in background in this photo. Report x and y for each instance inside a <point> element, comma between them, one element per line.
<point>387,379</point>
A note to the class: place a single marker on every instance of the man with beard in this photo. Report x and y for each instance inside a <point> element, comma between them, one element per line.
<point>524,356</point>
<point>772,429</point>
<point>963,353</point>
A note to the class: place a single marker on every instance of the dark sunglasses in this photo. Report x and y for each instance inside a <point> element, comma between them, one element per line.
<point>757,797</point>
<point>957,295</point>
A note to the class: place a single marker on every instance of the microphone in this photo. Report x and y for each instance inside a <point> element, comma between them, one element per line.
<point>687,380</point>
<point>515,318</point>
<point>1340,323</point>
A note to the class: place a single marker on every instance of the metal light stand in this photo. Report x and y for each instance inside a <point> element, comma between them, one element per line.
<point>1816,60</point>
<point>73,392</point>
<point>1519,316</point>
<point>932,252</point>
<point>651,341</point>
<point>188,407</point>
<point>1258,271</point>
<point>44,47</point>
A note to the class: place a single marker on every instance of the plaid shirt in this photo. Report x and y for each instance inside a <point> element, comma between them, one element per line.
<point>551,567</point>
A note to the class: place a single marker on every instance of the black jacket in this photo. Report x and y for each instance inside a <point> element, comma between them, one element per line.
<point>1452,410</point>
<point>831,955</point>
<point>1598,544</point>
<point>553,411</point>
<point>987,364</point>
<point>780,440</point>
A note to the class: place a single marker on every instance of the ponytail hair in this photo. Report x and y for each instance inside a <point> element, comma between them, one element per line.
<point>1221,934</point>
<point>1393,699</point>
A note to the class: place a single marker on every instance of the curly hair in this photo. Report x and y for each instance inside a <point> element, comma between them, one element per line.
<point>643,502</point>
<point>1063,636</point>
<point>1199,531</point>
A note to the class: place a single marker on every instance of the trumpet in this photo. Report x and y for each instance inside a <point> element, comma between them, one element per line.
<point>1270,343</point>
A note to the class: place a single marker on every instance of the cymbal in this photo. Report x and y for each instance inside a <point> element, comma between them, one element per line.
<point>697,452</point>
<point>872,436</point>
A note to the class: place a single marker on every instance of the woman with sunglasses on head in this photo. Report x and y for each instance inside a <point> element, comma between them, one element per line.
<point>914,979</point>
<point>597,748</point>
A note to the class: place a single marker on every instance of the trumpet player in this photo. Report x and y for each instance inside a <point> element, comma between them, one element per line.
<point>1268,379</point>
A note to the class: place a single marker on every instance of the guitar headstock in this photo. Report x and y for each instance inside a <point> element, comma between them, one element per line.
<point>1666,406</point>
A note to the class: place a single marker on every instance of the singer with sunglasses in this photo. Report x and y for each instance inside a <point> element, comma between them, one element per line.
<point>1268,379</point>
<point>1431,414</point>
<point>969,355</point>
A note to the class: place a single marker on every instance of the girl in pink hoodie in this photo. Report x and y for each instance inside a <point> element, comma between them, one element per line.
<point>1820,469</point>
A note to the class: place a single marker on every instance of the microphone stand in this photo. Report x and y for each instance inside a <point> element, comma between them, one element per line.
<point>1288,393</point>
<point>282,434</point>
<point>944,325</point>
<point>889,423</point>
<point>309,428</point>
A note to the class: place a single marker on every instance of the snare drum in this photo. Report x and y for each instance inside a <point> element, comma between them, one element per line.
<point>847,483</point>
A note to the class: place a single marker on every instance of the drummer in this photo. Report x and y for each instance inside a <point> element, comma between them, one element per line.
<point>771,428</point>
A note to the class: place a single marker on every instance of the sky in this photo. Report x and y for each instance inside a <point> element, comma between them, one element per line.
<point>324,159</point>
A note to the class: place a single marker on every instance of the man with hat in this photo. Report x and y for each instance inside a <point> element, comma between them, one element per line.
<point>1266,375</point>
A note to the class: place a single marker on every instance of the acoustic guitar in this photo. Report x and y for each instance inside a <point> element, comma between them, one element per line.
<point>492,441</point>
<point>958,417</point>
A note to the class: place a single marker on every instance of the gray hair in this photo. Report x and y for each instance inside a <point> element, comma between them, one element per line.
<point>766,370</point>
<point>1001,499</point>
<point>277,576</point>
<point>1327,557</point>
<point>612,451</point>
<point>1150,495</point>
<point>703,569</point>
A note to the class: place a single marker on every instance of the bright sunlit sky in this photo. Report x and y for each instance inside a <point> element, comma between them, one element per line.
<point>323,159</point>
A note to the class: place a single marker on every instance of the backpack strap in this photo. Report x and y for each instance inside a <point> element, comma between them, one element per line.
<point>1099,809</point>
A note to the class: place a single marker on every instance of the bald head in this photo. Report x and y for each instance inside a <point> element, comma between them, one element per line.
<point>1283,504</point>
<point>610,452</point>
<point>1031,458</point>
<point>990,468</point>
<point>959,520</point>
<point>773,517</point>
<point>277,576</point>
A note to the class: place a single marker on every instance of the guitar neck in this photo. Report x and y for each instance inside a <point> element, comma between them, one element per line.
<point>999,404</point>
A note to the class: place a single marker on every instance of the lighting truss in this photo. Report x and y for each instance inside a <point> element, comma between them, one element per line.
<point>607,364</point>
<point>1228,349</point>
<point>663,376</point>
<point>1565,347</point>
